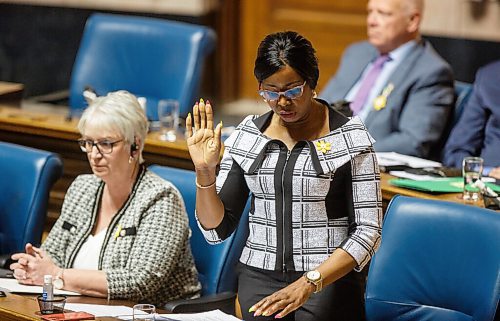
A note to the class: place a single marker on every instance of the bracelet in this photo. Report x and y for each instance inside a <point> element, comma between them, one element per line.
<point>205,187</point>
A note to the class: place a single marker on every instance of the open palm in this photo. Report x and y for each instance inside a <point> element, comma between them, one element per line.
<point>204,143</point>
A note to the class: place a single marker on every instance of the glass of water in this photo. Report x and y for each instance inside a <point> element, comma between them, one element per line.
<point>144,312</point>
<point>472,169</point>
<point>168,115</point>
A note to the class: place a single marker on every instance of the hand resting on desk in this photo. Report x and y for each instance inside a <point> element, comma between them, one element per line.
<point>32,266</point>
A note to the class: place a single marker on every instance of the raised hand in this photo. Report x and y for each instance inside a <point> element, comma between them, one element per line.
<point>204,143</point>
<point>285,300</point>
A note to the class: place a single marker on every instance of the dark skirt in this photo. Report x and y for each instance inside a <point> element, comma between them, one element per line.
<point>341,301</point>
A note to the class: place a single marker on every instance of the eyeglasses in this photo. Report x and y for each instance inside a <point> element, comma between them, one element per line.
<point>103,146</point>
<point>292,93</point>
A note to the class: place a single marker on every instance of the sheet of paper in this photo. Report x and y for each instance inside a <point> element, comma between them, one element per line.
<point>100,310</point>
<point>14,287</point>
<point>215,315</point>
<point>415,177</point>
<point>392,158</point>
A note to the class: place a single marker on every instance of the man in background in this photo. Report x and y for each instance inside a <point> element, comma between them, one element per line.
<point>396,83</point>
<point>477,132</point>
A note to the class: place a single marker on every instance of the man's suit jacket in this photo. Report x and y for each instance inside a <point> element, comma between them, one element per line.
<point>477,132</point>
<point>418,108</point>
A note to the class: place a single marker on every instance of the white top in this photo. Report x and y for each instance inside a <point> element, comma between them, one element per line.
<point>88,256</point>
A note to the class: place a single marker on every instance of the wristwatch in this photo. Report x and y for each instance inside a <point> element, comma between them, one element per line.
<point>59,281</point>
<point>314,277</point>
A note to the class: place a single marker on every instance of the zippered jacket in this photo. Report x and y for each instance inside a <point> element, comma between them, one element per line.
<point>305,202</point>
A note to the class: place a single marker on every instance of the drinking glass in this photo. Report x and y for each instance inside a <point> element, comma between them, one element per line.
<point>472,169</point>
<point>168,115</point>
<point>144,312</point>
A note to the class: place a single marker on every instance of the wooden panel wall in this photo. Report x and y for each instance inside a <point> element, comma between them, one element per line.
<point>329,25</point>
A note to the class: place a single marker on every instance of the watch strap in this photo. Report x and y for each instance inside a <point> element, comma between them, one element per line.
<point>317,283</point>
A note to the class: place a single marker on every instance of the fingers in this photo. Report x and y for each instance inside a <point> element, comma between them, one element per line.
<point>20,274</point>
<point>189,126</point>
<point>196,116</point>
<point>37,252</point>
<point>210,115</point>
<point>29,249</point>
<point>16,265</point>
<point>21,257</point>
<point>271,306</point>
<point>262,307</point>
<point>203,115</point>
<point>217,135</point>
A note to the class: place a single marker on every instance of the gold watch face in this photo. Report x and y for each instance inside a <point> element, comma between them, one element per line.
<point>313,275</point>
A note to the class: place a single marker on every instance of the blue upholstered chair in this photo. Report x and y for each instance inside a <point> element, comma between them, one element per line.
<point>149,57</point>
<point>27,177</point>
<point>216,264</point>
<point>463,91</point>
<point>437,261</point>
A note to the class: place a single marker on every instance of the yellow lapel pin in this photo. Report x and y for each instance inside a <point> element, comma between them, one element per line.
<point>323,146</point>
<point>118,231</point>
<point>381,100</point>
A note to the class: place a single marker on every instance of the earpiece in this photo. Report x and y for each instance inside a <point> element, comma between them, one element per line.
<point>133,147</point>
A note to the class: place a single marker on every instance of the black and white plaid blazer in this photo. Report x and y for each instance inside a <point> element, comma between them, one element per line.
<point>306,202</point>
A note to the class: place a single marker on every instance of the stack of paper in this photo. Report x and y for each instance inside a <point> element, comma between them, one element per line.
<point>393,159</point>
<point>125,313</point>
<point>12,286</point>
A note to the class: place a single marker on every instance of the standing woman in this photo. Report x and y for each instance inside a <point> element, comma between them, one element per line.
<point>316,211</point>
<point>123,232</point>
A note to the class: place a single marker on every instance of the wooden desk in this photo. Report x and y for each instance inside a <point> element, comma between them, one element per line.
<point>25,307</point>
<point>11,93</point>
<point>54,133</point>
<point>389,191</point>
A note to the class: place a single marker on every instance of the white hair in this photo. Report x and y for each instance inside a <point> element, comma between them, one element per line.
<point>412,6</point>
<point>121,112</point>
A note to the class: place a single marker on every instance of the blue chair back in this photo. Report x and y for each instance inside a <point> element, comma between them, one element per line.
<point>27,177</point>
<point>216,264</point>
<point>149,57</point>
<point>437,261</point>
<point>463,91</point>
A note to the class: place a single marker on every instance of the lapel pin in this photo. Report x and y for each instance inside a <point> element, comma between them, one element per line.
<point>323,146</point>
<point>118,231</point>
<point>381,101</point>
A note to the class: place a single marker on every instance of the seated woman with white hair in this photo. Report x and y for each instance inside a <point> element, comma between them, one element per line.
<point>123,232</point>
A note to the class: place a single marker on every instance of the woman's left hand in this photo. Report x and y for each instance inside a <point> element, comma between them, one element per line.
<point>32,266</point>
<point>285,300</point>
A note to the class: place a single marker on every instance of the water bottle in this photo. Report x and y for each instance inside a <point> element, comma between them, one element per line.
<point>48,288</point>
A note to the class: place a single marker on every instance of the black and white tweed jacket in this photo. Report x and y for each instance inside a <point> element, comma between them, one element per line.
<point>305,202</point>
<point>145,254</point>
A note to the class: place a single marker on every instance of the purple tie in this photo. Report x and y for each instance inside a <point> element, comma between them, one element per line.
<point>367,84</point>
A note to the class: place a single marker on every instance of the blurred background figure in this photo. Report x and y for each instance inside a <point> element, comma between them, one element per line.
<point>397,84</point>
<point>477,132</point>
<point>123,231</point>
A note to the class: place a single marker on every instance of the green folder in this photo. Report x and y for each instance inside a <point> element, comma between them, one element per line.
<point>439,185</point>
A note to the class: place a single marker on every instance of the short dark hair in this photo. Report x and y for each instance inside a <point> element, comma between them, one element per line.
<point>287,48</point>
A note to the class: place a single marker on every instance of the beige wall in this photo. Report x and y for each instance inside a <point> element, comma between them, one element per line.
<point>178,7</point>
<point>479,20</point>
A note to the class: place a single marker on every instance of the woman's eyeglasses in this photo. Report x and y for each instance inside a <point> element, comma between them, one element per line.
<point>103,146</point>
<point>292,93</point>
